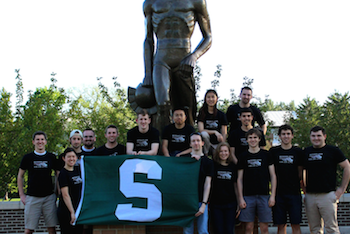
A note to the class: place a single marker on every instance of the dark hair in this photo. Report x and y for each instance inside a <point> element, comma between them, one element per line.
<point>246,110</point>
<point>247,88</point>
<point>111,126</point>
<point>39,133</point>
<point>318,128</point>
<point>68,150</point>
<point>285,127</point>
<point>142,112</point>
<point>197,134</point>
<point>184,109</point>
<point>216,156</point>
<point>204,109</point>
<point>88,129</point>
<point>252,131</point>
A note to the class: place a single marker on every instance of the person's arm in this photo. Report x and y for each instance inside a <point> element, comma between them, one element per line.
<point>301,178</point>
<point>223,132</point>
<point>148,45</point>
<point>68,201</point>
<point>263,128</point>
<point>236,192</point>
<point>240,197</point>
<point>233,153</point>
<point>57,173</point>
<point>165,148</point>
<point>303,182</point>
<point>206,191</point>
<point>189,150</point>
<point>129,149</point>
<point>153,151</point>
<point>345,180</point>
<point>210,132</point>
<point>20,182</point>
<point>202,17</point>
<point>273,185</point>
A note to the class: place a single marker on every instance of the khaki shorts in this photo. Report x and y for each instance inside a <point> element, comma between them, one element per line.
<point>35,206</point>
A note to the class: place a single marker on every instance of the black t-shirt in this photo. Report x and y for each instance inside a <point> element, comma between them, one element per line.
<point>142,141</point>
<point>213,122</point>
<point>233,113</point>
<point>39,169</point>
<point>104,151</point>
<point>256,175</point>
<point>178,139</point>
<point>206,169</point>
<point>238,140</point>
<point>222,190</point>
<point>321,168</point>
<point>72,180</point>
<point>286,166</point>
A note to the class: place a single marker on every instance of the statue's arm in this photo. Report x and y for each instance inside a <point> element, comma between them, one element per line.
<point>148,44</point>
<point>203,20</point>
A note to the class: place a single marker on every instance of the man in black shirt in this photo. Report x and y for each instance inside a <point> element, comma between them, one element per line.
<point>233,112</point>
<point>142,139</point>
<point>75,139</point>
<point>321,194</point>
<point>89,140</point>
<point>176,136</point>
<point>112,147</point>
<point>237,139</point>
<point>206,174</point>
<point>288,161</point>
<point>40,197</point>
<point>255,168</point>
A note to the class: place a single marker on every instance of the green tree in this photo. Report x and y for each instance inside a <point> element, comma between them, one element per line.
<point>217,74</point>
<point>308,114</point>
<point>44,111</point>
<point>99,107</point>
<point>336,112</point>
<point>197,74</point>
<point>7,137</point>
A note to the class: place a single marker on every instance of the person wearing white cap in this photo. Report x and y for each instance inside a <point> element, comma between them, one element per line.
<point>75,139</point>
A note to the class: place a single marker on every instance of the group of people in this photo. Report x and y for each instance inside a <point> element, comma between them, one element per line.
<point>238,177</point>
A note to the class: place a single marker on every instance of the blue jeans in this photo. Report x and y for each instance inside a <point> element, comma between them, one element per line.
<point>202,223</point>
<point>223,218</point>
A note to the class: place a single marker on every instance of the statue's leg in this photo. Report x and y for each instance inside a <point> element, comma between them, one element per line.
<point>161,83</point>
<point>183,92</point>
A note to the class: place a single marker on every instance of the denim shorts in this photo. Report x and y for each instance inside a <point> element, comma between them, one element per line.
<point>256,205</point>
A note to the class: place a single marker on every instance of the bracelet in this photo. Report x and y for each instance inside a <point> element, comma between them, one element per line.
<point>204,202</point>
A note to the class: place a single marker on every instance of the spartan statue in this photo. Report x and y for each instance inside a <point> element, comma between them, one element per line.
<point>168,81</point>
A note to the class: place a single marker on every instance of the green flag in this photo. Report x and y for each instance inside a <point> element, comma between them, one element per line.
<point>147,190</point>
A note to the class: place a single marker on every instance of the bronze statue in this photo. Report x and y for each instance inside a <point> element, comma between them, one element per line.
<point>168,80</point>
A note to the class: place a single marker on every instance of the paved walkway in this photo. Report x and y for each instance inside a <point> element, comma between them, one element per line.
<point>273,230</point>
<point>305,230</point>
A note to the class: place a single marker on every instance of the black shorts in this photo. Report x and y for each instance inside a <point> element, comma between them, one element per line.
<point>290,204</point>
